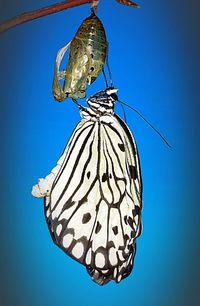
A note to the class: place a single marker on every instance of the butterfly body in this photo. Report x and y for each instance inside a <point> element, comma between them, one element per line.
<point>87,55</point>
<point>93,209</point>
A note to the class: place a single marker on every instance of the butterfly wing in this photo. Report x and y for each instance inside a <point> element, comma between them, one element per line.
<point>120,162</point>
<point>95,201</point>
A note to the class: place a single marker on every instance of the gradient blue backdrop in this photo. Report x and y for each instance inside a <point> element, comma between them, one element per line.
<point>154,58</point>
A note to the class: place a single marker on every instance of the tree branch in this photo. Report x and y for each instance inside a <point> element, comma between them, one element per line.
<point>4,26</point>
<point>25,17</point>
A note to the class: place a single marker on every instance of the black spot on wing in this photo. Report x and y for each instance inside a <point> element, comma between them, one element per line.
<point>88,174</point>
<point>83,200</point>
<point>97,206</point>
<point>115,230</point>
<point>121,146</point>
<point>126,238</point>
<point>136,210</point>
<point>130,222</point>
<point>133,233</point>
<point>68,204</point>
<point>104,177</point>
<point>133,172</point>
<point>125,220</point>
<point>110,244</point>
<point>98,227</point>
<point>86,218</point>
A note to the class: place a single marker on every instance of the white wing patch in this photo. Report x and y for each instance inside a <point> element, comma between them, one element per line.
<point>93,202</point>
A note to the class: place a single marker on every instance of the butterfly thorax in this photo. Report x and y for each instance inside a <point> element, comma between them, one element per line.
<point>103,102</point>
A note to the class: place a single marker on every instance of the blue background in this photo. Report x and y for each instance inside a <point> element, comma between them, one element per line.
<point>154,58</point>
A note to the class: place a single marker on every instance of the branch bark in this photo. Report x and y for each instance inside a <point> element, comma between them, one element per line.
<point>25,17</point>
<point>28,16</point>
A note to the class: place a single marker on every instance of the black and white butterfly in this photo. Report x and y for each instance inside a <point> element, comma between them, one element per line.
<point>93,197</point>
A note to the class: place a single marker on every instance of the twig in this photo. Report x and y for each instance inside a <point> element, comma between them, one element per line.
<point>28,16</point>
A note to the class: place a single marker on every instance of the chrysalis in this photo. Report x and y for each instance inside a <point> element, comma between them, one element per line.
<point>87,55</point>
<point>93,197</point>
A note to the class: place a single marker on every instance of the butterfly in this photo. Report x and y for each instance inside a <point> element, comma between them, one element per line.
<point>87,55</point>
<point>93,197</point>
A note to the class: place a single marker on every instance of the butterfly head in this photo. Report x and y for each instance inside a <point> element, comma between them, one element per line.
<point>103,101</point>
<point>111,92</point>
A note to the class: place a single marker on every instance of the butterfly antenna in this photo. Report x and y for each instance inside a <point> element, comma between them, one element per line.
<point>109,72</point>
<point>79,105</point>
<point>135,110</point>
<point>105,77</point>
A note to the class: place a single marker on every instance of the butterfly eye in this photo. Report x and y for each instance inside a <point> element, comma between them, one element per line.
<point>114,96</point>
